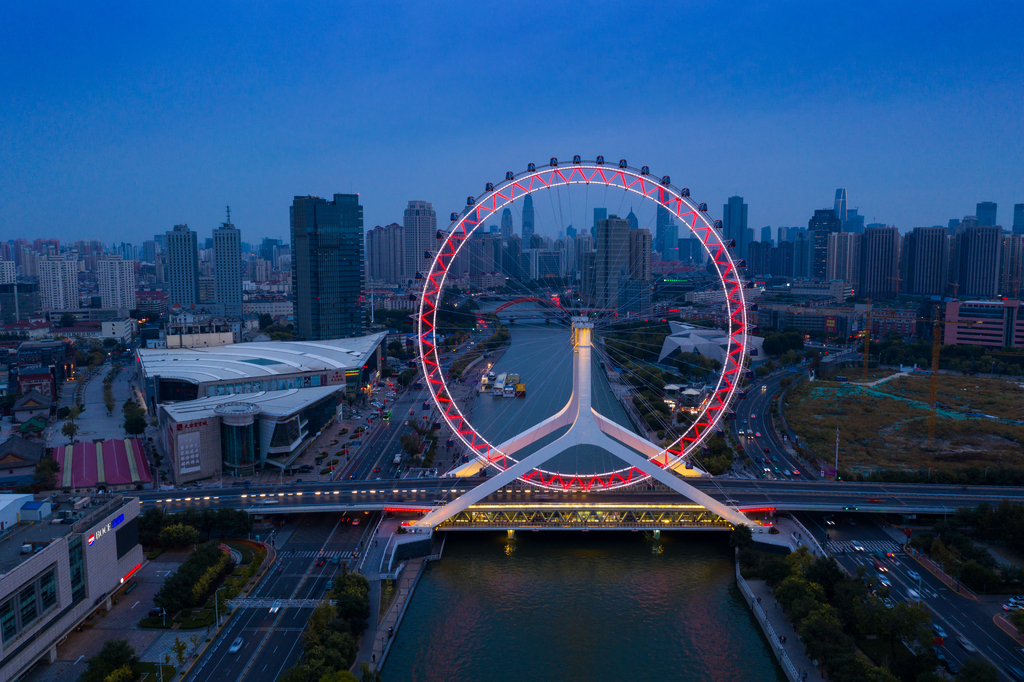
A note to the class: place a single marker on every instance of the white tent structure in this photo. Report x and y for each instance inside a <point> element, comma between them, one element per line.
<point>711,343</point>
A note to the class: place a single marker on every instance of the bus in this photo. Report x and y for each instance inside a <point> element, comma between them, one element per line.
<point>387,415</point>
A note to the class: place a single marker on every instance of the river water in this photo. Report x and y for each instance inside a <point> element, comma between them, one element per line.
<point>580,606</point>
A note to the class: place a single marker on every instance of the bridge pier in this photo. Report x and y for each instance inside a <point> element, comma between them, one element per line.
<point>657,534</point>
<point>511,534</point>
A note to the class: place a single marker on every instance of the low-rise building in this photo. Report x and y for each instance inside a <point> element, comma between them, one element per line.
<point>121,329</point>
<point>18,460</point>
<point>994,324</point>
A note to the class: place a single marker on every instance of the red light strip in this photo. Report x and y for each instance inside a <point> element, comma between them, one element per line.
<point>130,574</point>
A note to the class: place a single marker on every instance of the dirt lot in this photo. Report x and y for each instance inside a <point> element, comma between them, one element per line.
<point>887,426</point>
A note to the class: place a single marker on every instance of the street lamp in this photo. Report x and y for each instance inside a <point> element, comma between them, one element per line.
<point>216,610</point>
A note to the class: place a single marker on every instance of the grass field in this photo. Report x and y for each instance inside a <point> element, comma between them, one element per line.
<point>887,426</point>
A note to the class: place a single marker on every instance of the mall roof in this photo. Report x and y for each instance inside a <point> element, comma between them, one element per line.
<point>271,403</point>
<point>264,360</point>
<point>111,462</point>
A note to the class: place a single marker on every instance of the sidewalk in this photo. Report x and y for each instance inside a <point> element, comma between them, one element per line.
<point>783,629</point>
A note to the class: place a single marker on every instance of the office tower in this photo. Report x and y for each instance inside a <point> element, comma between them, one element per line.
<point>662,222</point>
<point>18,301</point>
<point>782,235</point>
<point>954,223</point>
<point>1012,257</point>
<point>385,254</point>
<point>671,252</point>
<point>820,226</point>
<point>570,232</point>
<point>227,263</point>
<point>634,222</point>
<point>734,224</point>
<point>840,205</point>
<point>116,278</point>
<point>493,229</point>
<point>634,298</point>
<point>506,224</point>
<point>512,258</point>
<point>420,228</point>
<point>483,256</point>
<point>528,220</point>
<point>986,213</point>
<point>161,240</point>
<point>759,259</point>
<point>149,250</point>
<point>766,234</point>
<point>182,269</point>
<point>977,258</point>
<point>925,258</point>
<point>328,268</point>
<point>854,222</point>
<point>612,258</point>
<point>640,247</point>
<point>880,263</point>
<point>782,259</point>
<point>1018,218</point>
<point>58,284</point>
<point>803,254</point>
<point>599,214</point>
<point>257,270</point>
<point>8,272</point>
<point>691,248</point>
<point>843,257</point>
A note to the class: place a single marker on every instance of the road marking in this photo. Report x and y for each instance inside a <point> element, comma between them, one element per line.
<point>136,604</point>
<point>79,659</point>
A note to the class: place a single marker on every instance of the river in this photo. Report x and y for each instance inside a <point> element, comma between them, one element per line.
<point>580,606</point>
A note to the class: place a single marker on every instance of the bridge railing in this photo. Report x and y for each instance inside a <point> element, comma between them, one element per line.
<point>762,618</point>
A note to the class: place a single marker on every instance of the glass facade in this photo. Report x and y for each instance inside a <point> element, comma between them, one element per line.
<point>285,433</point>
<point>23,609</point>
<point>240,446</point>
<point>77,560</point>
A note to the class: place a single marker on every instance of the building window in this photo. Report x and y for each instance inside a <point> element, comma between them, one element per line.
<point>77,563</point>
<point>8,626</point>
<point>28,606</point>
<point>48,591</point>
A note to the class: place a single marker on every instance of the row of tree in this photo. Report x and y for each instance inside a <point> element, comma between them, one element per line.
<point>944,476</point>
<point>208,522</point>
<point>195,579</point>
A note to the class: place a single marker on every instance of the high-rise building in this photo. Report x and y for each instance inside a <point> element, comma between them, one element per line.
<point>420,233</point>
<point>149,251</point>
<point>854,222</point>
<point>18,301</point>
<point>976,261</point>
<point>117,282</point>
<point>512,259</point>
<point>385,254</point>
<point>782,235</point>
<point>671,251</point>
<point>782,259</point>
<point>611,260</point>
<point>986,213</point>
<point>8,272</point>
<point>691,248</point>
<point>227,263</point>
<point>58,284</point>
<point>634,222</point>
<point>328,268</point>
<point>1018,218</point>
<point>570,231</point>
<point>734,224</point>
<point>182,271</point>
<point>267,247</point>
<point>820,226</point>
<point>640,247</point>
<point>766,234</point>
<point>843,259</point>
<point>528,220</point>
<point>840,205</point>
<point>634,297</point>
<point>880,263</point>
<point>1010,271</point>
<point>759,259</point>
<point>925,261</point>
<point>506,224</point>
<point>803,254</point>
<point>662,221</point>
<point>599,214</point>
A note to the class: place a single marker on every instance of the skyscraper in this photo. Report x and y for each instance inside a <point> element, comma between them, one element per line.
<point>420,223</point>
<point>1010,269</point>
<point>843,257</point>
<point>820,226</point>
<point>327,267</point>
<point>506,224</point>
<point>634,222</point>
<point>925,258</point>
<point>803,254</point>
<point>840,205</point>
<point>385,254</point>
<point>671,251</point>
<point>640,247</point>
<point>976,261</point>
<point>227,263</point>
<point>611,260</point>
<point>782,235</point>
<point>1018,218</point>
<point>854,222</point>
<point>759,259</point>
<point>58,284</point>
<point>879,263</point>
<point>528,221</point>
<point>663,220</point>
<point>599,214</point>
<point>116,278</point>
<point>986,212</point>
<point>734,224</point>
<point>182,267</point>
<point>766,234</point>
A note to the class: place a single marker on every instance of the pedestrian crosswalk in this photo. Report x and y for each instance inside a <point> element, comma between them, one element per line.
<point>847,546</point>
<point>313,554</point>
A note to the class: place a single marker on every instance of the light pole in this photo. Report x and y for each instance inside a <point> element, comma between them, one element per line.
<point>216,610</point>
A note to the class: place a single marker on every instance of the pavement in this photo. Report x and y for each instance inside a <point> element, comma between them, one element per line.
<point>95,423</point>
<point>788,637</point>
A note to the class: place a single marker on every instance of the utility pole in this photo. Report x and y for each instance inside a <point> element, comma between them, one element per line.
<point>837,450</point>
<point>867,339</point>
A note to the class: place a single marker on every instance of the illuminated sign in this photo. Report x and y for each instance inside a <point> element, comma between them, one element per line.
<point>192,425</point>
<point>130,573</point>
<point>100,532</point>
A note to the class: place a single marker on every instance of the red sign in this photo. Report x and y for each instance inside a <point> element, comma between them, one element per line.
<point>130,573</point>
<point>192,425</point>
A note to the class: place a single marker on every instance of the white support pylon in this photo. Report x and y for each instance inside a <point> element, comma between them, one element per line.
<point>586,426</point>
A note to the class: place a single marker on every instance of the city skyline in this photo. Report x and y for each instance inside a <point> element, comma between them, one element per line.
<point>162,146</point>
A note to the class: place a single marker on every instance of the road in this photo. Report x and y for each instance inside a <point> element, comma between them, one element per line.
<point>959,616</point>
<point>270,642</point>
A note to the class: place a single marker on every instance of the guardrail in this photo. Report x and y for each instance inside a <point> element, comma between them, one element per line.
<point>766,626</point>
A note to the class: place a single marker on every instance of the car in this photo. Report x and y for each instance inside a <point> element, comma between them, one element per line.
<point>914,575</point>
<point>235,646</point>
<point>796,472</point>
<point>913,594</point>
<point>1015,673</point>
<point>156,613</point>
<point>330,584</point>
<point>767,449</point>
<point>1011,607</point>
<point>884,580</point>
<point>938,654</point>
<point>276,606</point>
<point>376,470</point>
<point>851,521</point>
<point>335,560</point>
<point>786,471</point>
<point>950,665</point>
<point>753,416</point>
<point>938,630</point>
<point>966,645</point>
<point>891,555</point>
<point>355,522</point>
<point>320,562</point>
<point>757,434</point>
<point>889,603</point>
<point>857,547</point>
<point>830,520</point>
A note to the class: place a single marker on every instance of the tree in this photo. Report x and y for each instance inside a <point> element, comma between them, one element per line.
<point>395,348</point>
<point>341,676</point>
<point>978,670</point>
<point>367,675</point>
<point>741,537</point>
<point>265,320</point>
<point>178,535</point>
<point>108,399</point>
<point>122,674</point>
<point>70,429</point>
<point>115,654</point>
<point>179,648</point>
<point>134,424</point>
<point>46,473</point>
<point>411,443</point>
<point>67,320</point>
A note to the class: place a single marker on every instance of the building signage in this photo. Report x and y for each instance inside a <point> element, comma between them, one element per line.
<point>192,425</point>
<point>103,530</point>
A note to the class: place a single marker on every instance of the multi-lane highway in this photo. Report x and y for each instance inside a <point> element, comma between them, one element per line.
<point>270,641</point>
<point>961,618</point>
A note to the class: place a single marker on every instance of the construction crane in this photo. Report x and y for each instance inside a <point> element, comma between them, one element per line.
<point>933,389</point>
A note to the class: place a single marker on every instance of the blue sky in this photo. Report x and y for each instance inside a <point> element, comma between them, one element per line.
<point>118,121</point>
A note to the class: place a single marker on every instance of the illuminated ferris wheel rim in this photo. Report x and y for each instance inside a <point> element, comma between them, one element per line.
<point>554,175</point>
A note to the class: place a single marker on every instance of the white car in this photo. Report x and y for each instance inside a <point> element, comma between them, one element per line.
<point>235,646</point>
<point>857,547</point>
<point>914,575</point>
<point>275,607</point>
<point>885,581</point>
